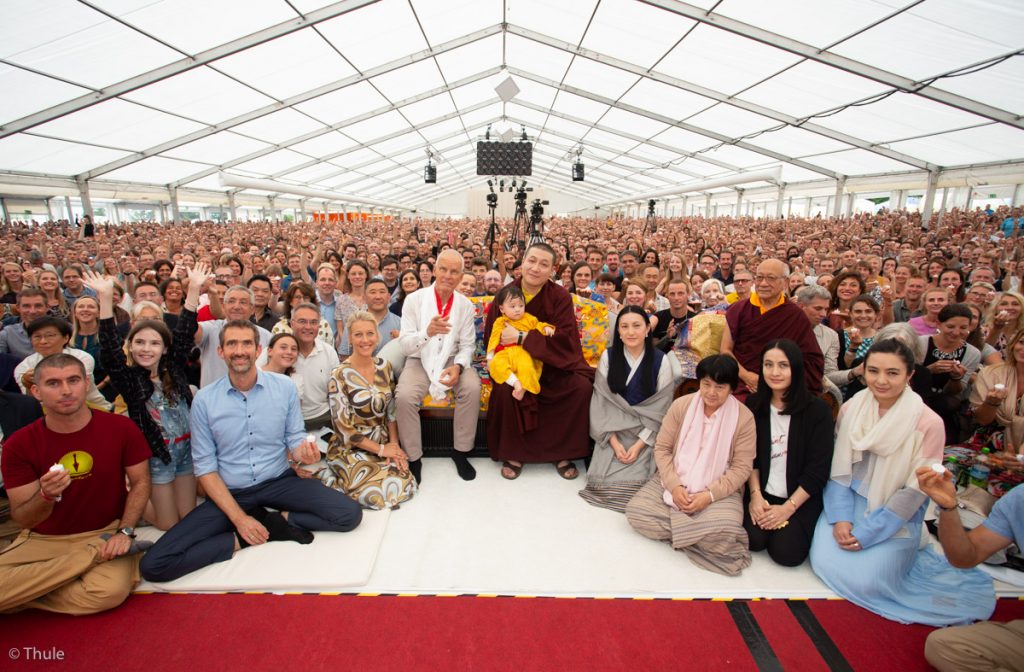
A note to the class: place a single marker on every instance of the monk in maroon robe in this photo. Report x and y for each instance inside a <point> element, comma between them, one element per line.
<point>764,317</point>
<point>553,426</point>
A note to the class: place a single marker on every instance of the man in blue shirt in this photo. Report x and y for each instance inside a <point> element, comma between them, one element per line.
<point>985,645</point>
<point>247,430</point>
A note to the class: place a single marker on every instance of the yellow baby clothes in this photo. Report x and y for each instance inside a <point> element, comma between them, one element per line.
<point>514,358</point>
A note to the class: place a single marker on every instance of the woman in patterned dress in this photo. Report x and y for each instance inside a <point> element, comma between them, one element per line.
<point>364,459</point>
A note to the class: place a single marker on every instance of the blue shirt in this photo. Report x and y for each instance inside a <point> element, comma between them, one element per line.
<point>244,437</point>
<point>1007,517</point>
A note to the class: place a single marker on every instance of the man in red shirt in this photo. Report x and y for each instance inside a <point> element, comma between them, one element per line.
<point>65,477</point>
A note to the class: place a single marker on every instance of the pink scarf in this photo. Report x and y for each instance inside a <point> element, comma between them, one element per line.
<point>696,468</point>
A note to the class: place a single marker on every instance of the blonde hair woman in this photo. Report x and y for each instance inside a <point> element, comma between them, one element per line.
<point>56,303</point>
<point>365,459</point>
<point>996,399</point>
<point>1004,320</point>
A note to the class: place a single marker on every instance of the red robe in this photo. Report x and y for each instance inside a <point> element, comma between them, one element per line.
<point>555,424</point>
<point>751,331</point>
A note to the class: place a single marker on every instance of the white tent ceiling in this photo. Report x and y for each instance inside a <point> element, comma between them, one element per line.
<point>348,96</point>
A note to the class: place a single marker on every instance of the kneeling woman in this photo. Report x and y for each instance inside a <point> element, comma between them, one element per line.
<point>866,544</point>
<point>364,459</point>
<point>704,454</point>
<point>632,391</point>
<point>794,453</point>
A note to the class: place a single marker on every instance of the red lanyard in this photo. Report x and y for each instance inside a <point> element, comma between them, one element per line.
<point>445,310</point>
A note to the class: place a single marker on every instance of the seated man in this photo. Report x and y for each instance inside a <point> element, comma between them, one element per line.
<point>764,316</point>
<point>814,300</point>
<point>246,427</point>
<point>438,338</point>
<point>552,426</point>
<point>50,335</point>
<point>14,338</point>
<point>73,554</point>
<point>985,645</point>
<point>313,366</point>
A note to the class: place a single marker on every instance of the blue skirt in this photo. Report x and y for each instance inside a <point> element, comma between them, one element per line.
<point>896,580</point>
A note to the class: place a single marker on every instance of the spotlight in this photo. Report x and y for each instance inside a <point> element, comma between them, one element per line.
<point>487,136</point>
<point>501,186</point>
<point>430,170</point>
<point>523,136</point>
<point>577,167</point>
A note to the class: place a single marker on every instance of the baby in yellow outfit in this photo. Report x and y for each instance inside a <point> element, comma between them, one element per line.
<point>512,364</point>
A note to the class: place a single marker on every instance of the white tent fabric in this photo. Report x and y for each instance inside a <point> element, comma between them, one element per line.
<point>349,96</point>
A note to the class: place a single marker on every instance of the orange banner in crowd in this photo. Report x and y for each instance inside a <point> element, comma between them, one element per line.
<point>350,217</point>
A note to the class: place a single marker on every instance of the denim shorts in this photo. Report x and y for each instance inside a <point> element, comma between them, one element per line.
<point>180,465</point>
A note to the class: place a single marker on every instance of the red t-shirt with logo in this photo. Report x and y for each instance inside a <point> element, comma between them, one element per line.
<point>95,457</point>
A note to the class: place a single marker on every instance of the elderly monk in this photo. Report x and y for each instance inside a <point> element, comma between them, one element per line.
<point>767,315</point>
<point>552,426</point>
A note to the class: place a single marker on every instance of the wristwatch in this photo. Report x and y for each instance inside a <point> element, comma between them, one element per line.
<point>128,532</point>
<point>956,505</point>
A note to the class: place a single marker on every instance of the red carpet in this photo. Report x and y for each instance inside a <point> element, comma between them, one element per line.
<point>267,632</point>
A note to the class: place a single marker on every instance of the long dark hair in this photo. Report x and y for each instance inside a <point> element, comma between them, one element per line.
<point>617,358</point>
<point>400,297</point>
<point>834,285</point>
<point>797,397</point>
<point>170,390</point>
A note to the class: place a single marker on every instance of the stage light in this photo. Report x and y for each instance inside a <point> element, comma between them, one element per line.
<point>430,170</point>
<point>577,171</point>
<point>523,136</point>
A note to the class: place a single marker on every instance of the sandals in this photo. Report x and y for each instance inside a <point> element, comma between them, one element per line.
<point>563,470</point>
<point>515,469</point>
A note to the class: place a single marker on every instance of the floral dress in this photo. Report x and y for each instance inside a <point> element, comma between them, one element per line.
<point>364,408</point>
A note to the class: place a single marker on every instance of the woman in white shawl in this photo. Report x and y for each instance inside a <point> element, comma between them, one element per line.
<point>868,542</point>
<point>632,390</point>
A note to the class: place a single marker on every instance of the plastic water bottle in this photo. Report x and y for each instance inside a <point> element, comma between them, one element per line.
<point>980,471</point>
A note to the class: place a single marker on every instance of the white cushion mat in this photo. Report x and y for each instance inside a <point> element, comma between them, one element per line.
<point>536,536</point>
<point>334,561</point>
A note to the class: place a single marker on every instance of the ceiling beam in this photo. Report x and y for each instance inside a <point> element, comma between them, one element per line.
<point>719,137</point>
<point>294,100</point>
<point>719,97</point>
<point>923,89</point>
<point>183,65</point>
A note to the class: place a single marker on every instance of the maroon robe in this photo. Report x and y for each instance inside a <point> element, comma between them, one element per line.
<point>555,424</point>
<point>751,331</point>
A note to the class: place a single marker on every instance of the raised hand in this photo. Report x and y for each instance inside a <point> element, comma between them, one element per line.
<point>104,287</point>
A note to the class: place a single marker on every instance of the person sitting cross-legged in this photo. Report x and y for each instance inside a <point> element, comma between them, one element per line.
<point>65,477</point>
<point>246,427</point>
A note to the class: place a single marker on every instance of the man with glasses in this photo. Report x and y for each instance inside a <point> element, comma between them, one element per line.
<point>263,297</point>
<point>50,336</point>
<point>314,365</point>
<point>766,316</point>
<point>238,305</point>
<point>743,283</point>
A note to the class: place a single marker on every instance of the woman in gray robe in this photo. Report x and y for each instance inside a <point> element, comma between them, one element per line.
<point>632,391</point>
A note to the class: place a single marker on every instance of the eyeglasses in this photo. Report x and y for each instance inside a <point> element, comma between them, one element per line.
<point>767,278</point>
<point>306,323</point>
<point>46,336</point>
<point>743,280</point>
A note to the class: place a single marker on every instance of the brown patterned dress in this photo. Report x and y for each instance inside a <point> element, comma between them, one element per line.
<point>363,407</point>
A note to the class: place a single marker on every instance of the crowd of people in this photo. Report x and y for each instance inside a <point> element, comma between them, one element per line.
<point>779,385</point>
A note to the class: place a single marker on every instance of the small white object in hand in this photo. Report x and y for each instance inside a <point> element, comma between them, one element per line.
<point>310,438</point>
<point>999,387</point>
<point>938,468</point>
<point>58,467</point>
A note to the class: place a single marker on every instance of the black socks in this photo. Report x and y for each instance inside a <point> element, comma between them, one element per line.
<point>465,469</point>
<point>416,467</point>
<point>277,527</point>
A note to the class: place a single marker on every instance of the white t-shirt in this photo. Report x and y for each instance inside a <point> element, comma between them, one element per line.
<point>780,447</point>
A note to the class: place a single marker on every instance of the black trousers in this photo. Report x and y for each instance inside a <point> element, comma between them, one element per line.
<point>790,545</point>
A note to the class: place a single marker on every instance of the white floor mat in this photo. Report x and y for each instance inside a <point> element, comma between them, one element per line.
<point>536,536</point>
<point>334,561</point>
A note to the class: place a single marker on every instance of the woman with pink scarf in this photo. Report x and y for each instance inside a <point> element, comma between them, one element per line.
<point>705,453</point>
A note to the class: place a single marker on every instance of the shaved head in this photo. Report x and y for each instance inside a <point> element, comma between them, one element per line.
<point>453,255</point>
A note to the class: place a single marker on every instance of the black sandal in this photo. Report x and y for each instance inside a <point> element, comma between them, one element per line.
<point>513,468</point>
<point>563,469</point>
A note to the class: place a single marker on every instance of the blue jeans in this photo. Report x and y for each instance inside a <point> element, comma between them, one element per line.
<point>206,535</point>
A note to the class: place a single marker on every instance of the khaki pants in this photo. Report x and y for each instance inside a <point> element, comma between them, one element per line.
<point>412,387</point>
<point>982,646</point>
<point>64,573</point>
